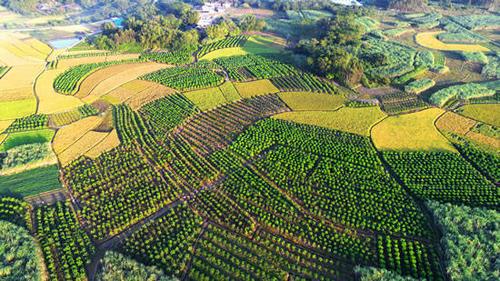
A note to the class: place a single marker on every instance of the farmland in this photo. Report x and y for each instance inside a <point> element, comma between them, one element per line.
<point>292,140</point>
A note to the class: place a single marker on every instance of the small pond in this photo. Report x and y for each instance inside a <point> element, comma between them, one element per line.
<point>64,43</point>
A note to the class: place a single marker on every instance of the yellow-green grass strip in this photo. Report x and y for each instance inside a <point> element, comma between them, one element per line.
<point>255,88</point>
<point>17,109</point>
<point>206,99</point>
<point>352,120</point>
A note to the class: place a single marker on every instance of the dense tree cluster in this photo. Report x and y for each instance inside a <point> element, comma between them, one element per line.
<point>332,54</point>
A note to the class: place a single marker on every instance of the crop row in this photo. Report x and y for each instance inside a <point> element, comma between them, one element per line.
<point>370,199</point>
<point>185,78</point>
<point>166,241</point>
<point>229,42</point>
<point>303,82</point>
<point>443,176</point>
<point>68,117</point>
<point>177,58</point>
<point>246,67</point>
<point>166,113</point>
<point>399,102</point>
<point>129,125</point>
<point>213,130</point>
<point>31,122</point>
<point>15,210</point>
<point>408,257</point>
<point>66,247</point>
<point>117,190</point>
<point>67,82</point>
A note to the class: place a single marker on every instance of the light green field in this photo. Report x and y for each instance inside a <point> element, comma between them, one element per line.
<point>303,101</point>
<point>206,99</point>
<point>17,109</point>
<point>229,92</point>
<point>415,131</point>
<point>352,120</point>
<point>20,138</point>
<point>255,88</point>
<point>487,113</point>
<point>256,45</point>
<point>31,182</point>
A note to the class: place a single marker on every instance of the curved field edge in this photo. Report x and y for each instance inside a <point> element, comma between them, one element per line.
<point>414,131</point>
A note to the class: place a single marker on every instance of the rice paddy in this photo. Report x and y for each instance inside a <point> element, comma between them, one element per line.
<point>304,101</point>
<point>255,88</point>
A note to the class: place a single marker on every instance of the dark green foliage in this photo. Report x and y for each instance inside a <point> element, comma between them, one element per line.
<point>177,58</point>
<point>166,241</point>
<point>31,122</point>
<point>66,247</point>
<point>486,162</point>
<point>129,125</point>
<point>470,240</point>
<point>115,266</point>
<point>186,78</point>
<point>444,177</point>
<point>166,113</point>
<point>241,68</point>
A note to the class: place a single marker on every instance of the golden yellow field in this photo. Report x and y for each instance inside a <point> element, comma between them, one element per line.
<point>109,142</point>
<point>104,80</point>
<point>353,120</point>
<point>17,84</point>
<point>300,101</point>
<point>206,99</point>
<point>82,145</point>
<point>68,135</point>
<point>487,113</point>
<point>255,88</point>
<point>415,131</point>
<point>455,123</point>
<point>16,94</point>
<point>49,101</point>
<point>486,140</point>
<point>150,94</point>
<point>429,40</point>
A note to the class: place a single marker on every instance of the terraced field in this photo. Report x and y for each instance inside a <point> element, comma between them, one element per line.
<point>235,161</point>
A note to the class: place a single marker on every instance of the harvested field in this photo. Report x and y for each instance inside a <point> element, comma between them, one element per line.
<point>255,88</point>
<point>137,92</point>
<point>104,80</point>
<point>306,101</point>
<point>109,142</point>
<point>455,123</point>
<point>82,145</point>
<point>49,100</point>
<point>150,94</point>
<point>352,120</point>
<point>429,40</point>
<point>68,135</point>
<point>415,131</point>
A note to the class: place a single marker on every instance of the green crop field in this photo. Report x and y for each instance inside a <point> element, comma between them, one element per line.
<point>249,140</point>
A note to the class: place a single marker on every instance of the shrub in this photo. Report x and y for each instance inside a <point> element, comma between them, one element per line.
<point>419,86</point>
<point>465,91</point>
<point>479,57</point>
